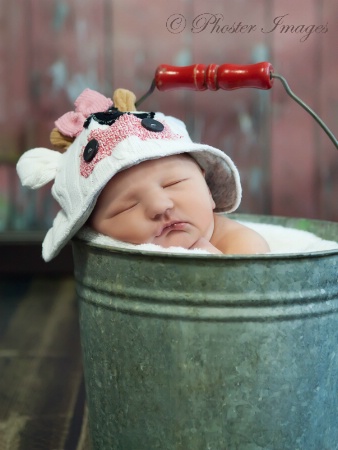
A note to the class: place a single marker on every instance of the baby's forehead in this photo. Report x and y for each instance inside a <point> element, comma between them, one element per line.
<point>152,169</point>
<point>174,162</point>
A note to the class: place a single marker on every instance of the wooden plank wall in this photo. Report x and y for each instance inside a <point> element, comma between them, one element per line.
<point>51,50</point>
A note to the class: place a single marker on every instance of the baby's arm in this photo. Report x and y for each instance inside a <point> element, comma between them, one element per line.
<point>233,238</point>
<point>244,242</point>
<point>204,244</point>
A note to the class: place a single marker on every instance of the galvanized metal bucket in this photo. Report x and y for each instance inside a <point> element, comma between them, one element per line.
<point>187,352</point>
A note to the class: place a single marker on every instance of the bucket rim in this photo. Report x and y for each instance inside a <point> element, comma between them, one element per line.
<point>209,256</point>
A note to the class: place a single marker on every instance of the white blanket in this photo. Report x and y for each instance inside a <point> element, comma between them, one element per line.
<point>279,238</point>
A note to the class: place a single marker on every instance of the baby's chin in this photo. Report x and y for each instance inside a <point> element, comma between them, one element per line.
<point>176,239</point>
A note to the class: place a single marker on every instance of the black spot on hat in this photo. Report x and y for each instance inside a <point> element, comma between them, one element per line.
<point>91,150</point>
<point>152,124</point>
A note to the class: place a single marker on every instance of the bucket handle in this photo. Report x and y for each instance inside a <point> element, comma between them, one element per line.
<point>199,77</point>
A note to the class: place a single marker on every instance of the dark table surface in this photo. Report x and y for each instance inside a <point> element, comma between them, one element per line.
<point>42,396</point>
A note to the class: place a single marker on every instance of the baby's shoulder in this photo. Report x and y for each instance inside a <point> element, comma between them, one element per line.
<point>232,237</point>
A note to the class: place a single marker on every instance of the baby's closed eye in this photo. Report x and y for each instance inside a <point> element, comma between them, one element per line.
<point>125,208</point>
<point>174,182</point>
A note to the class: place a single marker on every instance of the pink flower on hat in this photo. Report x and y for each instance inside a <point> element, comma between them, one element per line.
<point>89,102</point>
<point>125,126</point>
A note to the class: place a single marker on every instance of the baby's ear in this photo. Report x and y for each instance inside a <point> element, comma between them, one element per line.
<point>38,166</point>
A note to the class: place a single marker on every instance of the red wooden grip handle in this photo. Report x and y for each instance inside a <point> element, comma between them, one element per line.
<point>199,77</point>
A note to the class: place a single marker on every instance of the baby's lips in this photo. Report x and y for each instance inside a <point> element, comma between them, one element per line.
<point>175,225</point>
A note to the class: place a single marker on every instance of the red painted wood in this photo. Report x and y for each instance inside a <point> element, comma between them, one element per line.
<point>184,77</point>
<point>199,77</point>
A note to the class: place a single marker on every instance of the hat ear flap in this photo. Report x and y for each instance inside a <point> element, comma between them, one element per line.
<point>38,166</point>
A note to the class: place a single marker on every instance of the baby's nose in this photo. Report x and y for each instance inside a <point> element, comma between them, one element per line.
<point>159,203</point>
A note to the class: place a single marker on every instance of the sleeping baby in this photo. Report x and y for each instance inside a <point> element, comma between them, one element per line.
<point>137,177</point>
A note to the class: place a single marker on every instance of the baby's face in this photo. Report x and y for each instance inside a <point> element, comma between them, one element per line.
<point>163,201</point>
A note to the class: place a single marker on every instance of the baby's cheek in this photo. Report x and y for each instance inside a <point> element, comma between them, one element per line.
<point>133,231</point>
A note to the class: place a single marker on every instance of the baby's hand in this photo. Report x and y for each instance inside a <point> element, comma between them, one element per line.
<point>204,244</point>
